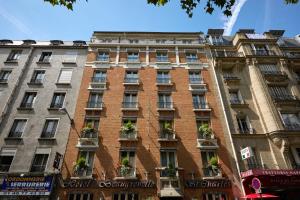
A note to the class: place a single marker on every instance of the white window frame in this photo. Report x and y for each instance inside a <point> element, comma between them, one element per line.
<point>24,128</point>
<point>58,120</point>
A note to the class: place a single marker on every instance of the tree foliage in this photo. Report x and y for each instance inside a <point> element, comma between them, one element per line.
<point>187,5</point>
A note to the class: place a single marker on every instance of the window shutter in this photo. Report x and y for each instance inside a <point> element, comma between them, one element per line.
<point>65,76</point>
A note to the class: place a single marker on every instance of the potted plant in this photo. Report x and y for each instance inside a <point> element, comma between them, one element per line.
<point>205,131</point>
<point>127,128</point>
<point>87,130</point>
<point>171,171</point>
<point>125,167</point>
<point>167,127</point>
<point>214,165</point>
<point>81,165</point>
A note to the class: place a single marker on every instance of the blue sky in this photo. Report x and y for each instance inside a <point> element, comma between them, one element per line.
<point>35,19</point>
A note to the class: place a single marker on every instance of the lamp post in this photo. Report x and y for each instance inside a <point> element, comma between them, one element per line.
<point>64,110</point>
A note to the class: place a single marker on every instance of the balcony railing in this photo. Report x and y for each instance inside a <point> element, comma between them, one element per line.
<point>165,105</point>
<point>191,60</point>
<point>275,73</point>
<point>292,127</point>
<point>284,97</point>
<point>292,55</point>
<point>200,105</point>
<point>47,134</point>
<point>83,172</point>
<point>167,135</point>
<point>26,105</point>
<point>4,168</point>
<point>132,135</point>
<point>236,102</point>
<point>133,59</point>
<point>126,172</point>
<point>195,80</point>
<point>94,105</point>
<point>227,54</point>
<point>36,81</point>
<point>263,53</point>
<point>98,79</point>
<point>165,80</point>
<point>131,80</point>
<point>3,80</point>
<point>103,58</point>
<point>162,59</point>
<point>247,130</point>
<point>15,134</point>
<point>169,172</point>
<point>230,78</point>
<point>130,105</point>
<point>37,168</point>
<point>212,172</point>
<point>88,139</point>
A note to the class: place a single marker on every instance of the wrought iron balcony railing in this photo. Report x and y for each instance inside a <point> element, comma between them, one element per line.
<point>98,79</point>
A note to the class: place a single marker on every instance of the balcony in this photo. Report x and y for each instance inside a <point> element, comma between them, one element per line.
<point>97,83</point>
<point>263,53</point>
<point>125,172</point>
<point>196,81</point>
<point>131,81</point>
<point>284,99</point>
<point>212,172</point>
<point>275,76</point>
<point>169,183</point>
<point>192,60</point>
<point>292,127</point>
<point>227,54</point>
<point>165,106</point>
<point>162,59</point>
<point>207,141</point>
<point>130,106</point>
<point>231,79</point>
<point>238,103</point>
<point>128,135</point>
<point>201,106</point>
<point>247,130</point>
<point>167,136</point>
<point>83,173</point>
<point>163,81</point>
<point>293,55</point>
<point>88,139</point>
<point>91,105</point>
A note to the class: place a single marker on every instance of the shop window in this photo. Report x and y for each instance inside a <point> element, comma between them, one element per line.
<point>126,196</point>
<point>214,196</point>
<point>80,196</point>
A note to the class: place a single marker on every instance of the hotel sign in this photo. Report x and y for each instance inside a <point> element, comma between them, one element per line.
<point>27,186</point>
<point>213,183</point>
<point>270,172</point>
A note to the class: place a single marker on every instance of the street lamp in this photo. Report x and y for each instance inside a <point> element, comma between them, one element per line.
<point>64,110</point>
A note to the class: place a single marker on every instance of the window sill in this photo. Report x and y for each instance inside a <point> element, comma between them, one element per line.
<point>69,62</point>
<point>24,108</point>
<point>63,84</point>
<point>3,83</point>
<point>46,139</point>
<point>11,61</point>
<point>14,138</point>
<point>43,63</point>
<point>53,109</point>
<point>32,83</point>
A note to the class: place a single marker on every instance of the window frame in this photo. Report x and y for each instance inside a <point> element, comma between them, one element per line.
<point>42,57</point>
<point>52,103</point>
<point>44,127</point>
<point>12,125</point>
<point>12,54</point>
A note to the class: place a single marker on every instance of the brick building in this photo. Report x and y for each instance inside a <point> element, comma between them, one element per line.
<point>148,123</point>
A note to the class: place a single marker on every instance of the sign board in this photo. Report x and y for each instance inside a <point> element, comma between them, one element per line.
<point>246,153</point>
<point>57,159</point>
<point>213,183</point>
<point>27,185</point>
<point>256,184</point>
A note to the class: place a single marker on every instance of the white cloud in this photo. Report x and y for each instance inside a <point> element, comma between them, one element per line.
<point>230,21</point>
<point>18,24</point>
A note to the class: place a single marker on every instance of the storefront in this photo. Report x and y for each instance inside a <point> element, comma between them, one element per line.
<point>26,187</point>
<point>282,183</point>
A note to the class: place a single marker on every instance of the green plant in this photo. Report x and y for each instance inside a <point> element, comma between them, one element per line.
<point>88,128</point>
<point>125,167</point>
<point>205,130</point>
<point>128,128</point>
<point>81,164</point>
<point>125,162</point>
<point>213,162</point>
<point>167,127</point>
<point>171,171</point>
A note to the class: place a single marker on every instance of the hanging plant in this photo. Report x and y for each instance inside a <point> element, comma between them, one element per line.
<point>128,128</point>
<point>81,164</point>
<point>205,131</point>
<point>167,127</point>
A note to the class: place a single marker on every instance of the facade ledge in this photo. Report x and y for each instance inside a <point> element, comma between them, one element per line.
<point>42,63</point>
<point>24,108</point>
<point>101,108</point>
<point>166,109</point>
<point>11,62</point>
<point>202,109</point>
<point>239,105</point>
<point>81,177</point>
<point>13,138</point>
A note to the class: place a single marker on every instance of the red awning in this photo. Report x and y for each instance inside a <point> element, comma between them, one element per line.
<point>258,196</point>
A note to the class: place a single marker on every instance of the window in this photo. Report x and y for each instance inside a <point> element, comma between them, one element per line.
<point>195,77</point>
<point>49,128</point>
<point>162,57</point>
<point>70,57</point>
<point>37,77</point>
<point>214,196</point>
<point>169,163</point>
<point>253,162</point>
<point>89,159</point>
<point>291,121</point>
<point>133,41</point>
<point>94,123</point>
<point>191,57</point>
<point>45,57</point>
<point>201,122</point>
<point>296,155</point>
<point>129,158</point>
<point>80,196</point>
<point>95,100</point>
<point>208,170</point>
<point>4,75</point>
<point>14,55</point>
<point>103,56</point>
<point>163,77</point>
<point>130,100</point>
<point>126,196</point>
<point>235,97</point>
<point>65,76</point>
<point>166,129</point>
<point>161,41</point>
<point>131,77</point>
<point>133,56</point>
<point>28,100</point>
<point>244,124</point>
<point>280,93</point>
<point>6,158</point>
<point>199,101</point>
<point>228,74</point>
<point>58,100</point>
<point>17,128</point>
<point>40,160</point>
<point>164,101</point>
<point>99,77</point>
<point>216,39</point>
<point>269,69</point>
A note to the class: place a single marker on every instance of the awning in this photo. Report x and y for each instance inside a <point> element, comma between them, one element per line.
<point>170,192</point>
<point>258,196</point>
